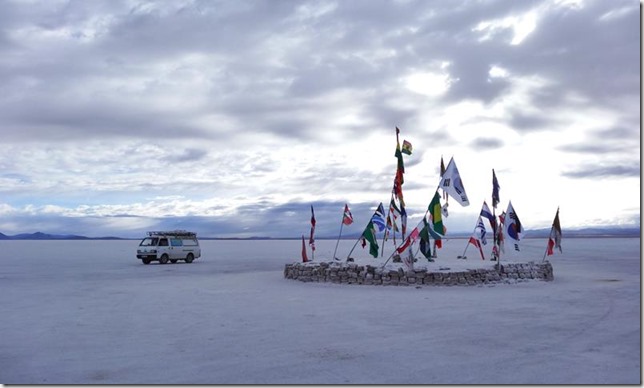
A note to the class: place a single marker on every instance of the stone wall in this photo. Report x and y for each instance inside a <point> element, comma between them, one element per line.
<point>351,273</point>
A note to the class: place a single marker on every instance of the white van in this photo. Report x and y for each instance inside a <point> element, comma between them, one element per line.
<point>169,246</point>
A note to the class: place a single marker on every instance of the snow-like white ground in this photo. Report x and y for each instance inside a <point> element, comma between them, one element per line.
<point>88,312</point>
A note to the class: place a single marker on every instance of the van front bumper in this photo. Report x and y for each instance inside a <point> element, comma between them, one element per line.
<point>153,257</point>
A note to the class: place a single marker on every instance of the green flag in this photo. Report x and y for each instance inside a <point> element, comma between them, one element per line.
<point>370,235</point>
<point>425,247</point>
<point>435,210</point>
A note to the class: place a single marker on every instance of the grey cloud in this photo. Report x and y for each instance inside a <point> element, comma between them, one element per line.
<point>615,140</point>
<point>600,171</point>
<point>486,143</point>
<point>188,155</point>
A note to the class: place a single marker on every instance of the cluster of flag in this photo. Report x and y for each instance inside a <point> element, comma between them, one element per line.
<point>431,226</point>
<point>508,225</point>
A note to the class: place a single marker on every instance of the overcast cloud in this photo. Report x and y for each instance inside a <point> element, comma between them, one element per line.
<point>232,118</point>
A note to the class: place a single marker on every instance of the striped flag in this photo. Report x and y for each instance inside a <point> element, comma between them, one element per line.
<point>378,218</point>
<point>485,212</point>
<point>311,238</point>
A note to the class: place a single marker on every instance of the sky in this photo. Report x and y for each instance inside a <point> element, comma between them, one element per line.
<point>233,118</point>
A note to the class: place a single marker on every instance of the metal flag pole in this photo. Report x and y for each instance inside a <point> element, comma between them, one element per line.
<point>338,242</point>
<point>386,218</point>
<point>467,245</point>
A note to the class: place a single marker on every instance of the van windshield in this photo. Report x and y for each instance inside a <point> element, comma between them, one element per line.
<point>149,241</point>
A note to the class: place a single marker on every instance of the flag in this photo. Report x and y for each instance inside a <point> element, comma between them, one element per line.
<point>436,214</point>
<point>378,218</point>
<point>388,228</point>
<point>398,182</point>
<point>513,226</point>
<point>443,173</point>
<point>408,260</point>
<point>304,257</point>
<point>556,241</point>
<point>500,236</point>
<point>398,154</point>
<point>347,218</point>
<point>410,240</point>
<point>394,212</point>
<point>557,227</point>
<point>369,234</point>
<point>425,247</point>
<point>551,244</point>
<point>406,147</point>
<point>311,239</point>
<point>452,184</point>
<point>495,190</point>
<point>485,212</point>
<point>403,220</point>
<point>474,241</point>
<point>444,210</point>
<point>480,228</point>
<point>442,167</point>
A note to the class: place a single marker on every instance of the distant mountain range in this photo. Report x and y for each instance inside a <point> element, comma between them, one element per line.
<point>47,236</point>
<point>533,233</point>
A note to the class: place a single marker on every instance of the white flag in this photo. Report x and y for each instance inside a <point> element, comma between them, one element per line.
<point>480,229</point>
<point>512,225</point>
<point>452,184</point>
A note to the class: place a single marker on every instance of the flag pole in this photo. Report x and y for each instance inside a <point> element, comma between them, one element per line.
<point>404,240</point>
<point>382,253</point>
<point>361,236</point>
<point>354,247</point>
<point>468,243</point>
<point>338,242</point>
<point>424,216</point>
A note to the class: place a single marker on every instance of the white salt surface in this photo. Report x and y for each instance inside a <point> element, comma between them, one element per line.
<point>88,312</point>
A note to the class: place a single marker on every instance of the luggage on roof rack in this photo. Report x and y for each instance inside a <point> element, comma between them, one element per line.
<point>182,233</point>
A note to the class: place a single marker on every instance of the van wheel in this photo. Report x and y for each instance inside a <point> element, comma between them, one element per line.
<point>173,261</point>
<point>146,261</point>
<point>164,259</point>
<point>189,258</point>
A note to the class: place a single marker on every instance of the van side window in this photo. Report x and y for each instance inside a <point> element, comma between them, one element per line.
<point>175,242</point>
<point>163,242</point>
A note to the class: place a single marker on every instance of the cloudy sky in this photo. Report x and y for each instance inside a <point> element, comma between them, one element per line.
<point>232,118</point>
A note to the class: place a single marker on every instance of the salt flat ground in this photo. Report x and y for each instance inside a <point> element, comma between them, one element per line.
<point>88,312</point>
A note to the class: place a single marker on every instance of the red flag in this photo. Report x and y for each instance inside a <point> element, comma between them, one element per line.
<point>412,237</point>
<point>304,257</point>
<point>347,219</point>
<point>477,244</point>
<point>551,244</point>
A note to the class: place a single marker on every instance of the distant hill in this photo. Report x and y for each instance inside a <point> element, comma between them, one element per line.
<point>47,236</point>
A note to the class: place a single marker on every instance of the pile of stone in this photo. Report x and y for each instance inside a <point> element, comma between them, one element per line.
<point>351,273</point>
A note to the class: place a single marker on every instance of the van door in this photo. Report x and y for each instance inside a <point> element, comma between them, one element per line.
<point>176,249</point>
<point>164,247</point>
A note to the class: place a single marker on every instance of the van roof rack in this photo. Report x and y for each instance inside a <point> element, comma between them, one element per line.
<point>183,233</point>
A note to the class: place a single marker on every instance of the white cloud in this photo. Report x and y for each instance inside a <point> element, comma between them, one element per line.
<point>122,112</point>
